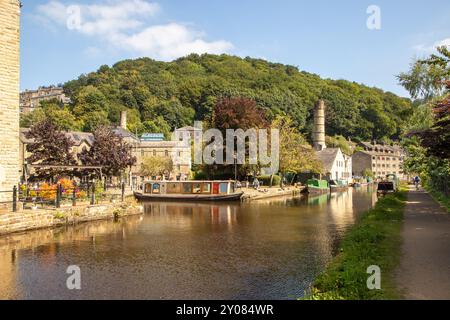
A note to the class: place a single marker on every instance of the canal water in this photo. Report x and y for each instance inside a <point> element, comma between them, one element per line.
<point>270,249</point>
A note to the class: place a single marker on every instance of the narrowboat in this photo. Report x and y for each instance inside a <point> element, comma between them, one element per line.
<point>315,186</point>
<point>188,191</point>
<point>338,185</point>
<point>389,185</point>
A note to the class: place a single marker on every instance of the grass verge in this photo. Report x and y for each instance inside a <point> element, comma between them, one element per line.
<point>375,240</point>
<point>439,197</point>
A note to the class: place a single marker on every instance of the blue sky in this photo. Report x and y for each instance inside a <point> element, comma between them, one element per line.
<point>330,38</point>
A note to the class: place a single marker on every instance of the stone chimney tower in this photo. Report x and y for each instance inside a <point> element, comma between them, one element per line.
<point>123,120</point>
<point>9,96</point>
<point>319,126</point>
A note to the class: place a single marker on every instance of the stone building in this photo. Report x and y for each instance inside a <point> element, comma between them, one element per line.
<point>179,151</point>
<point>336,164</point>
<point>9,95</point>
<point>380,159</point>
<point>31,99</point>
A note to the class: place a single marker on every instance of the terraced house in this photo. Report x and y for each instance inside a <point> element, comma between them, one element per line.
<point>381,159</point>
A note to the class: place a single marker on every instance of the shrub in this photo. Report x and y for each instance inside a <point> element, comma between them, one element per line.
<point>265,180</point>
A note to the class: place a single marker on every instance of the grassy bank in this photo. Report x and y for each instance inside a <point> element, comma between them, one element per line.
<point>375,240</point>
<point>441,198</point>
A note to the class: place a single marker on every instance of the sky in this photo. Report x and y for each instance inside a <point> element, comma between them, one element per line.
<point>369,42</point>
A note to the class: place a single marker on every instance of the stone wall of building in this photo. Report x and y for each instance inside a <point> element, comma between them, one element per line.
<point>9,95</point>
<point>361,162</point>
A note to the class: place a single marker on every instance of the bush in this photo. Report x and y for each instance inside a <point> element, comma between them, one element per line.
<point>265,180</point>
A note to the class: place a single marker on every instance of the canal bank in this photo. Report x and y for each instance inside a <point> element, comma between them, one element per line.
<point>27,220</point>
<point>374,241</point>
<point>251,194</point>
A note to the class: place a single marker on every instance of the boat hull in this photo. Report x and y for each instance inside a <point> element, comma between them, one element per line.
<point>338,189</point>
<point>314,190</point>
<point>188,197</point>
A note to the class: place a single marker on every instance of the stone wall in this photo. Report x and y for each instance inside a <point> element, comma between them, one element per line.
<point>9,95</point>
<point>361,162</point>
<point>38,219</point>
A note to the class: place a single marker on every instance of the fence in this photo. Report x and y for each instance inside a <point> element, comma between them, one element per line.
<point>54,196</point>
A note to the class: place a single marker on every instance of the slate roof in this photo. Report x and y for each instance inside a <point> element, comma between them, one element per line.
<point>77,137</point>
<point>327,157</point>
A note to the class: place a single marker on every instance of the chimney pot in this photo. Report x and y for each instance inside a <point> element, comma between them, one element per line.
<point>123,120</point>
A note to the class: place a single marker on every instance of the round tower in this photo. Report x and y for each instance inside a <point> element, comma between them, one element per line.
<point>319,126</point>
<point>9,96</point>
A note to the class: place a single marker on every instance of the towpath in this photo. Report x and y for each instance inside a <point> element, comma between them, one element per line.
<point>424,271</point>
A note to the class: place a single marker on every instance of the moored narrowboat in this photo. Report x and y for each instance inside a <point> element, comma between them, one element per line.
<point>189,191</point>
<point>315,186</point>
<point>338,185</point>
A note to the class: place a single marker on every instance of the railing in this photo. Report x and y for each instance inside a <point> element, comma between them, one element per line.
<point>13,194</point>
<point>58,195</point>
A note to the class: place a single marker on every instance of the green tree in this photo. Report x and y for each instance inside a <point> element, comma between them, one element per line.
<point>295,154</point>
<point>156,166</point>
<point>61,116</point>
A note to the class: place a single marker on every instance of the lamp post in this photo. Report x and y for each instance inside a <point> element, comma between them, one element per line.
<point>235,171</point>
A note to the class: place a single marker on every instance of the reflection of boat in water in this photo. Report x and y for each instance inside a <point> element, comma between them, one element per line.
<point>318,199</point>
<point>189,191</point>
<point>315,186</point>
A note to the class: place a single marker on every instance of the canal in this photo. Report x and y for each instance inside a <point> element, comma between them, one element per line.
<point>270,249</point>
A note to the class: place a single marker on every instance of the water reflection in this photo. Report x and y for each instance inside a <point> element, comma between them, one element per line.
<point>270,249</point>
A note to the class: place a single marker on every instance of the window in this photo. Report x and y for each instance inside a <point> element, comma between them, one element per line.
<point>154,153</point>
<point>223,188</point>
<point>167,153</point>
<point>196,188</point>
<point>156,188</point>
<point>206,188</point>
<point>148,188</point>
<point>187,188</point>
<point>173,188</point>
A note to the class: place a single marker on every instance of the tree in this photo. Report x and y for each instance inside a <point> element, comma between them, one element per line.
<point>50,147</point>
<point>340,142</point>
<point>238,113</point>
<point>108,151</point>
<point>295,154</point>
<point>436,139</point>
<point>158,125</point>
<point>428,148</point>
<point>61,116</point>
<point>426,78</point>
<point>156,166</point>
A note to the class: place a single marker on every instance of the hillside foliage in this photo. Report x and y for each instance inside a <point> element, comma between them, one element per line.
<point>173,94</point>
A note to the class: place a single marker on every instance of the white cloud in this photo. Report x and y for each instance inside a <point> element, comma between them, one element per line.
<point>125,25</point>
<point>424,48</point>
<point>171,41</point>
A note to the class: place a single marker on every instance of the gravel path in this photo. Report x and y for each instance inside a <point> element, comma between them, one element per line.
<point>424,271</point>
